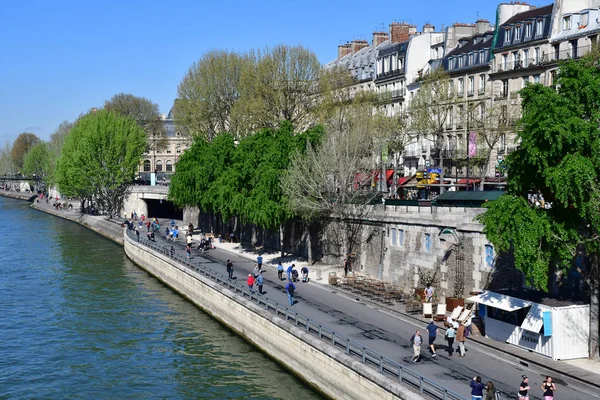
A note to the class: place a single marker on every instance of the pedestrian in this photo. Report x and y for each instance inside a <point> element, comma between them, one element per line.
<point>188,239</point>
<point>289,271</point>
<point>429,293</point>
<point>295,275</point>
<point>290,288</point>
<point>167,233</point>
<point>230,269</point>
<point>477,388</point>
<point>188,251</point>
<point>450,334</point>
<point>250,282</point>
<point>280,271</point>
<point>255,271</point>
<point>259,261</point>
<point>490,392</point>
<point>345,267</point>
<point>416,341</point>
<point>524,388</point>
<point>259,282</point>
<point>175,233</point>
<point>432,329</point>
<point>304,271</point>
<point>549,388</point>
<point>172,223</point>
<point>461,338</point>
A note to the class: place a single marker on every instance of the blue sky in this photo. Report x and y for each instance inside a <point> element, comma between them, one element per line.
<point>60,58</point>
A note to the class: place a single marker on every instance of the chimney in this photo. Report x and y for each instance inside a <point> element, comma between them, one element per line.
<point>399,32</point>
<point>482,26</point>
<point>428,28</point>
<point>344,50</point>
<point>358,45</point>
<point>412,30</point>
<point>379,37</point>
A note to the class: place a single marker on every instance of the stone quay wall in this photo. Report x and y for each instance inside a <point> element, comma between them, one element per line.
<point>328,369</point>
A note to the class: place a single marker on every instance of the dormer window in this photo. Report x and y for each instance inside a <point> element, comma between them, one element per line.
<point>460,62</point>
<point>585,19</point>
<point>507,35</point>
<point>539,27</point>
<point>481,56</point>
<point>471,59</point>
<point>528,29</point>
<point>517,33</point>
<point>566,23</point>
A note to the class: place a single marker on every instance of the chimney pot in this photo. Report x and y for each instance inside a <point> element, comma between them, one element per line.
<point>379,37</point>
<point>344,50</point>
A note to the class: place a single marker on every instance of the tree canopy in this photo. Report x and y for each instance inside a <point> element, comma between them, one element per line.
<point>100,158</point>
<point>558,160</point>
<point>21,146</point>
<point>36,160</point>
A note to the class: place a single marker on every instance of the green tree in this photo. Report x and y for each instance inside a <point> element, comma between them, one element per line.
<point>36,161</point>
<point>7,164</point>
<point>100,159</point>
<point>559,159</point>
<point>207,94</point>
<point>145,113</point>
<point>21,146</point>
<point>55,145</point>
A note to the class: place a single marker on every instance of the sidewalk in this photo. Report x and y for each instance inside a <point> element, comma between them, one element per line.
<point>583,370</point>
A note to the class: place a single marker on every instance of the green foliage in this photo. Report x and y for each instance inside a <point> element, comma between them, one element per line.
<point>100,158</point>
<point>242,180</point>
<point>36,161</point>
<point>21,146</point>
<point>559,157</point>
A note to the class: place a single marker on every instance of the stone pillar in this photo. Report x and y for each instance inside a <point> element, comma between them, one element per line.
<point>191,215</point>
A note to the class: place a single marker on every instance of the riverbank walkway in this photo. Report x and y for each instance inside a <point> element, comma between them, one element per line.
<point>387,329</point>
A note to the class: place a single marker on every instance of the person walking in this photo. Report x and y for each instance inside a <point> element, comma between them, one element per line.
<point>416,341</point>
<point>172,223</point>
<point>432,329</point>
<point>461,338</point>
<point>289,271</point>
<point>290,289</point>
<point>429,293</point>
<point>524,388</point>
<point>188,239</point>
<point>345,267</point>
<point>450,334</point>
<point>259,282</point>
<point>250,282</point>
<point>175,233</point>
<point>230,269</point>
<point>490,392</point>
<point>259,261</point>
<point>188,251</point>
<point>255,271</point>
<point>549,388</point>
<point>477,388</point>
<point>280,271</point>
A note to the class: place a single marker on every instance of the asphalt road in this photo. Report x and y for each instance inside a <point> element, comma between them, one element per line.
<point>390,335</point>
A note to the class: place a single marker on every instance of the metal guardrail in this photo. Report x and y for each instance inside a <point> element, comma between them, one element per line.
<point>354,349</point>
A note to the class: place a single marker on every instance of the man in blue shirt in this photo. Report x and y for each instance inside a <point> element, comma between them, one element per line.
<point>280,271</point>
<point>259,282</point>
<point>289,271</point>
<point>259,261</point>
<point>432,329</point>
<point>290,288</point>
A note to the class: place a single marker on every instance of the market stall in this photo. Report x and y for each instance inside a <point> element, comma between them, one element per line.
<point>554,328</point>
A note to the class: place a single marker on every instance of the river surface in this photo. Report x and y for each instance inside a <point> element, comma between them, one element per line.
<point>79,320</point>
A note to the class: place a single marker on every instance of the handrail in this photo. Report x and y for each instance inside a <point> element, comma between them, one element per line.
<point>354,349</point>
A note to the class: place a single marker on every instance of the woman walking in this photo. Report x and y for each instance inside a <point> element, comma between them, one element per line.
<point>477,388</point>
<point>549,388</point>
<point>490,392</point>
<point>450,335</point>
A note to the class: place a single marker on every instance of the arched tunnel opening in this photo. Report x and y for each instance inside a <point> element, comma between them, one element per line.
<point>163,209</point>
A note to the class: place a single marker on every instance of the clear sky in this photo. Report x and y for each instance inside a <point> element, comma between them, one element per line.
<point>61,58</point>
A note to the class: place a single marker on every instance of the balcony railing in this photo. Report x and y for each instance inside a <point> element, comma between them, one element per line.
<point>543,59</point>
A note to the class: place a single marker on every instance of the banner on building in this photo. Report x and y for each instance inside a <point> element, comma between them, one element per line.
<point>472,144</point>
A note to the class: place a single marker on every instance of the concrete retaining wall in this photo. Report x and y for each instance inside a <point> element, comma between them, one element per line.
<point>328,369</point>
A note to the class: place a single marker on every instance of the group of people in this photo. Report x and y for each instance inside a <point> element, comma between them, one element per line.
<point>478,389</point>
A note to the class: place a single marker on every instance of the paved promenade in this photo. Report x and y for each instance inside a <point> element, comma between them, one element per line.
<point>387,330</point>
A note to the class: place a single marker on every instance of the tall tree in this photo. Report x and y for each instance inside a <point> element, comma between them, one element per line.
<point>21,146</point>
<point>36,161</point>
<point>430,110</point>
<point>557,159</point>
<point>100,159</point>
<point>55,145</point>
<point>208,92</point>
<point>278,85</point>
<point>7,164</point>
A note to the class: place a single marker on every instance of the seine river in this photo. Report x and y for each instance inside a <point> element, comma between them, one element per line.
<point>79,320</point>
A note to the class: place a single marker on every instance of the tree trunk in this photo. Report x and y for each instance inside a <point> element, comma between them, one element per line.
<point>292,237</point>
<point>241,237</point>
<point>442,168</point>
<point>254,237</point>
<point>395,176</point>
<point>309,253</point>
<point>484,170</point>
<point>281,239</point>
<point>594,308</point>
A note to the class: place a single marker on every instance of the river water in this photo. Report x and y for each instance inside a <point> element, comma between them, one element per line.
<point>79,320</point>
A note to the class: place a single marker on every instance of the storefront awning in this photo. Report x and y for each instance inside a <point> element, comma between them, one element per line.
<point>535,318</point>
<point>501,301</point>
<point>464,181</point>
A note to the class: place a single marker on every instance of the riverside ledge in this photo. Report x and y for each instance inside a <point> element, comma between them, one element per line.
<point>325,367</point>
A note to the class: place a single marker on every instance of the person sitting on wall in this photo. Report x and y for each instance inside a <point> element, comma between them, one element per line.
<point>304,271</point>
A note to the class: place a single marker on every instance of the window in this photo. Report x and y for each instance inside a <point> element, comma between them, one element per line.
<point>539,27</point>
<point>517,33</point>
<point>159,166</point>
<point>585,19</point>
<point>566,23</point>
<point>528,30</point>
<point>460,110</point>
<point>393,237</point>
<point>461,86</point>
<point>536,78</point>
<point>507,35</point>
<point>428,242</point>
<point>525,58</point>
<point>471,87</point>
<point>536,55</point>
<point>505,88</point>
<point>481,83</point>
<point>169,166</point>
<point>573,48</point>
<point>471,59</point>
<point>504,62</point>
<point>525,80</point>
<point>516,59</point>
<point>489,255</point>
<point>460,61</point>
<point>147,165</point>
<point>451,63</point>
<point>400,237</point>
<point>481,56</point>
